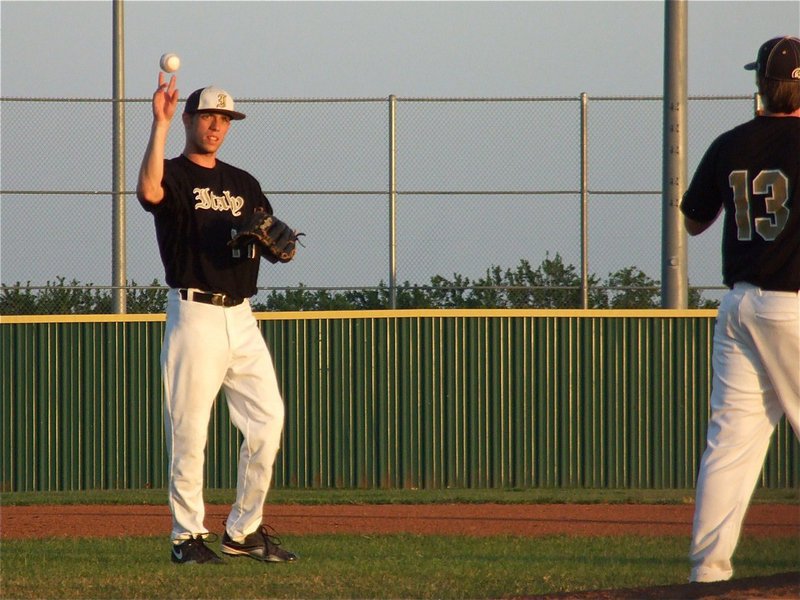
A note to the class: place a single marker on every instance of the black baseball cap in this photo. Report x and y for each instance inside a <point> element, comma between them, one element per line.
<point>779,58</point>
<point>212,99</point>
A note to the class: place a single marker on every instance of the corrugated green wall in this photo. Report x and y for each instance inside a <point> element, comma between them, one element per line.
<point>395,399</point>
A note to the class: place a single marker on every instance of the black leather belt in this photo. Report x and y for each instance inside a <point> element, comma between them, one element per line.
<point>209,298</point>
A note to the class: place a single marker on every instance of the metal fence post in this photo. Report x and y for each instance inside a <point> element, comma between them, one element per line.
<point>118,260</point>
<point>674,282</point>
<point>392,203</point>
<point>584,201</point>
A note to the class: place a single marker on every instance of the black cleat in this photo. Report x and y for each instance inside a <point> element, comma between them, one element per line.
<point>194,551</point>
<point>258,545</point>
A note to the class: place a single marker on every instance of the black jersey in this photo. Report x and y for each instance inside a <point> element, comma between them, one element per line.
<point>753,171</point>
<point>202,209</point>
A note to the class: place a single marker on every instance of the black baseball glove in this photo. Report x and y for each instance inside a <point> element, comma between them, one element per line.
<point>277,241</point>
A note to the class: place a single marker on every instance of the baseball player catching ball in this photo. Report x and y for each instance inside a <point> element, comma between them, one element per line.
<point>212,339</point>
<point>752,173</point>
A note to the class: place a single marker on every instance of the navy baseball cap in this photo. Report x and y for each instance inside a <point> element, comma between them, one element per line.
<point>779,58</point>
<point>212,99</point>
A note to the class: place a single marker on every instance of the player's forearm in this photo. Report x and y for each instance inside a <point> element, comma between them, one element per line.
<point>151,171</point>
<point>695,227</point>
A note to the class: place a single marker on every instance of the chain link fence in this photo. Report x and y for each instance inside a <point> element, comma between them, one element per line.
<point>483,185</point>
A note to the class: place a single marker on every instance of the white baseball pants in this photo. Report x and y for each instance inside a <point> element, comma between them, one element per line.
<point>756,363</point>
<point>207,348</point>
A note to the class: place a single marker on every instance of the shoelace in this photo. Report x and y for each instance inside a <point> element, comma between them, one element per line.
<point>199,541</point>
<point>273,539</point>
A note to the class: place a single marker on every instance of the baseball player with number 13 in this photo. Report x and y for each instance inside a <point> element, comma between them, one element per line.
<point>752,173</point>
<point>212,339</point>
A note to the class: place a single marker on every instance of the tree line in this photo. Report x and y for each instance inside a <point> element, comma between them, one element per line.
<point>552,284</point>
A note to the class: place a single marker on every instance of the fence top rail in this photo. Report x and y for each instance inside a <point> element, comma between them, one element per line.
<point>362,192</point>
<point>384,99</point>
<point>655,313</point>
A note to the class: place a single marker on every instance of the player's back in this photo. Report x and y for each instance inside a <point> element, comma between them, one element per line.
<point>758,164</point>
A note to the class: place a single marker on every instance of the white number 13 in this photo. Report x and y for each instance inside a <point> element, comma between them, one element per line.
<point>774,185</point>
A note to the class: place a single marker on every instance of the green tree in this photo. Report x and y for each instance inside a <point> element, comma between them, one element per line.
<point>553,284</point>
<point>455,293</point>
<point>490,291</point>
<point>696,300</point>
<point>630,287</point>
<point>60,297</point>
<point>18,300</point>
<point>369,299</point>
<point>412,296</point>
<point>146,300</point>
<point>288,300</point>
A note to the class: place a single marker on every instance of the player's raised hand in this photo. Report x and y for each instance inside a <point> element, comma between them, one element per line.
<point>165,98</point>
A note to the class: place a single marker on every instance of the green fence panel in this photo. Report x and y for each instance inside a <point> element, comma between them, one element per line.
<point>392,399</point>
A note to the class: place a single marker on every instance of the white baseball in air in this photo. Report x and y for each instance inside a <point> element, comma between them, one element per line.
<point>170,63</point>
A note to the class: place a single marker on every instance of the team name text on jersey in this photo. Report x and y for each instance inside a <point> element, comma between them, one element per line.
<point>208,200</point>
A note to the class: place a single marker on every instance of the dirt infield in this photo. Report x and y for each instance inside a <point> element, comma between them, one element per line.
<point>763,520</point>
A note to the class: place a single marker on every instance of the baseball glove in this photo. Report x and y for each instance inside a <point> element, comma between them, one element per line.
<point>277,241</point>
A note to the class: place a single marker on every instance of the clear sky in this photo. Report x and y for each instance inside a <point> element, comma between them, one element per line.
<point>265,49</point>
<point>333,49</point>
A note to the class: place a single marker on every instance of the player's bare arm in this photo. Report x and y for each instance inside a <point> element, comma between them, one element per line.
<point>151,172</point>
<point>695,227</point>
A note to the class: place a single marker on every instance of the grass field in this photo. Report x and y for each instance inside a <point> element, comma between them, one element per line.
<point>372,566</point>
<point>346,566</point>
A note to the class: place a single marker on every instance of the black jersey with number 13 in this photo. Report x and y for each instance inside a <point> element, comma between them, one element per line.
<point>753,171</point>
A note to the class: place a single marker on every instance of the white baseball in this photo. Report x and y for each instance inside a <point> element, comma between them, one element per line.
<point>170,63</point>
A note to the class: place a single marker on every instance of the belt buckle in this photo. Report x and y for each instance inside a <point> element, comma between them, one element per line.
<point>218,299</point>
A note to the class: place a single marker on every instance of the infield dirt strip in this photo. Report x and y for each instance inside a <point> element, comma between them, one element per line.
<point>763,520</point>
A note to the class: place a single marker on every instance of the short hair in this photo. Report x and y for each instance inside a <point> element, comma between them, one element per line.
<point>779,96</point>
